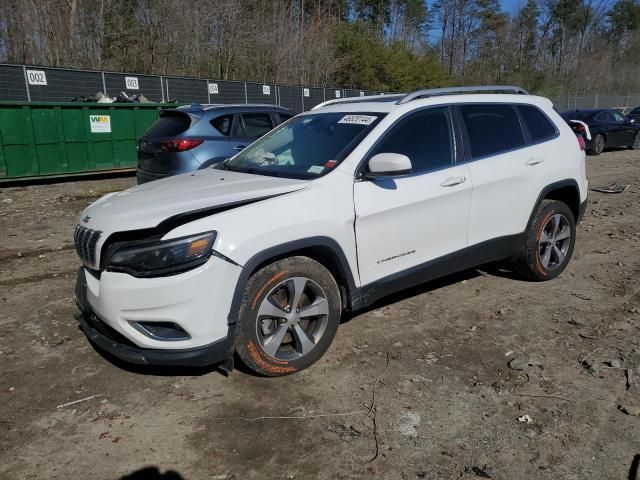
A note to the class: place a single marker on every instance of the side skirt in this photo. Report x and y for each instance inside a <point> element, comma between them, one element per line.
<point>489,251</point>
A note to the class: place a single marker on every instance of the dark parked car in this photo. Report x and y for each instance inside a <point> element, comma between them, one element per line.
<point>197,136</point>
<point>608,129</point>
<point>634,114</point>
<point>622,110</point>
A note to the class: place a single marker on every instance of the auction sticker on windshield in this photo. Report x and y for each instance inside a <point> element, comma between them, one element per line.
<point>358,119</point>
<point>317,169</point>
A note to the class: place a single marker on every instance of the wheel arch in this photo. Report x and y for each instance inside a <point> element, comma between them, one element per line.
<point>566,191</point>
<point>324,250</point>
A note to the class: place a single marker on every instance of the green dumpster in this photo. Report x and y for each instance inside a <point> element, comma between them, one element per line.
<point>64,138</point>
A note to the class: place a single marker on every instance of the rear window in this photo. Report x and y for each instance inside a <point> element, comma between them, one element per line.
<point>539,126</point>
<point>492,129</point>
<point>577,114</point>
<point>169,124</point>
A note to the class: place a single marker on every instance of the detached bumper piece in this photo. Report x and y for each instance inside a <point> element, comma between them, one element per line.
<point>112,342</point>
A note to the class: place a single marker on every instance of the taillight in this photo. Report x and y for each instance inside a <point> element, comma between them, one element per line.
<point>179,145</point>
<point>578,127</point>
<point>583,145</point>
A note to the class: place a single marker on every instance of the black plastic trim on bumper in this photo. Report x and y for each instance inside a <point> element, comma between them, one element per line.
<point>115,344</point>
<point>581,210</point>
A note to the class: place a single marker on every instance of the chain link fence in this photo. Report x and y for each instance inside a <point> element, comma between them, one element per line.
<point>29,83</point>
<point>595,100</point>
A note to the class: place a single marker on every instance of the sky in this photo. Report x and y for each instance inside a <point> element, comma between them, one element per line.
<point>511,5</point>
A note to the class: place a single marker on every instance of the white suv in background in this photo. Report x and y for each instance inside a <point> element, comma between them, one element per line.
<point>258,256</point>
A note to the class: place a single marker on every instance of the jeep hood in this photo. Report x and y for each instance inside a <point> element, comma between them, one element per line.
<point>146,205</point>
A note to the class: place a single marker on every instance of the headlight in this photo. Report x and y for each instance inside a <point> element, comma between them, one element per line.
<point>156,258</point>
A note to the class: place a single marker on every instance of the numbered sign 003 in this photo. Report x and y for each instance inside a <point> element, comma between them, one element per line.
<point>131,83</point>
<point>36,77</point>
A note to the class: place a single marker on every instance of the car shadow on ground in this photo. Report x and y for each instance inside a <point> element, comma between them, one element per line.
<point>499,269</point>
<point>152,473</point>
<point>494,269</point>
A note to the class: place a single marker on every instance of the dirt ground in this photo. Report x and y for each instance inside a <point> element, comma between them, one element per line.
<point>419,387</point>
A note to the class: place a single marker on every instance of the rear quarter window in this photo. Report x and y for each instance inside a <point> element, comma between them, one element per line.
<point>223,124</point>
<point>169,124</point>
<point>539,126</point>
<point>492,129</point>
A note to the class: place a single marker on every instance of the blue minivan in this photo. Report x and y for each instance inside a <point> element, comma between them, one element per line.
<point>197,136</point>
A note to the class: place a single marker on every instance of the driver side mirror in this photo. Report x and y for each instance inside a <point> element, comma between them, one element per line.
<point>388,165</point>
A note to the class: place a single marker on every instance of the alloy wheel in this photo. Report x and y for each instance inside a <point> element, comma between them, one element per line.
<point>554,242</point>
<point>599,146</point>
<point>292,318</point>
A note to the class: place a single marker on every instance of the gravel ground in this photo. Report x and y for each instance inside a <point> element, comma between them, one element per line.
<point>479,375</point>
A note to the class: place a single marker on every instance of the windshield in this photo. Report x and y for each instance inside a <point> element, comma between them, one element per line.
<point>306,146</point>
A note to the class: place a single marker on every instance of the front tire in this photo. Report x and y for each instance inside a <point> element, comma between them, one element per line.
<point>548,242</point>
<point>289,315</point>
<point>636,142</point>
<point>597,145</point>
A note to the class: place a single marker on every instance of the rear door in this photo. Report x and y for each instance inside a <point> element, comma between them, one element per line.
<point>507,170</point>
<point>404,222</point>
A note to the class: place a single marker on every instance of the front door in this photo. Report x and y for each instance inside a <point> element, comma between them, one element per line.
<point>403,223</point>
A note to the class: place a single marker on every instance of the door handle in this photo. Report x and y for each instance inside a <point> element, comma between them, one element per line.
<point>534,161</point>
<point>453,181</point>
<point>239,147</point>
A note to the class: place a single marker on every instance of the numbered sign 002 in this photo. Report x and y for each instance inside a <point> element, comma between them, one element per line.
<point>36,77</point>
<point>131,83</point>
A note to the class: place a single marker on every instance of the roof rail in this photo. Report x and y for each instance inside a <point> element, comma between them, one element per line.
<point>369,98</point>
<point>434,92</point>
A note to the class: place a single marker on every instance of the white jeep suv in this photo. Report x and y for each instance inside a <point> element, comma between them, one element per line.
<point>257,257</point>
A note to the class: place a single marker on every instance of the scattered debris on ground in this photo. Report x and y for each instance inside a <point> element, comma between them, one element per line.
<point>443,403</point>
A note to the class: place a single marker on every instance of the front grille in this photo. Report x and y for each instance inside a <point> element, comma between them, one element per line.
<point>86,240</point>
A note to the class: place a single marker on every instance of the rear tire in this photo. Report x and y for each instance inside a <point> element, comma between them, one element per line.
<point>289,314</point>
<point>597,145</point>
<point>636,142</point>
<point>548,242</point>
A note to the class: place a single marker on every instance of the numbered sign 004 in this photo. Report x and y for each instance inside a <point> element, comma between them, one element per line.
<point>36,77</point>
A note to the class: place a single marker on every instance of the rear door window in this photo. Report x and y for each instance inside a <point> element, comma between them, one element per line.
<point>256,124</point>
<point>169,124</point>
<point>492,129</point>
<point>223,124</point>
<point>605,117</point>
<point>539,126</point>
